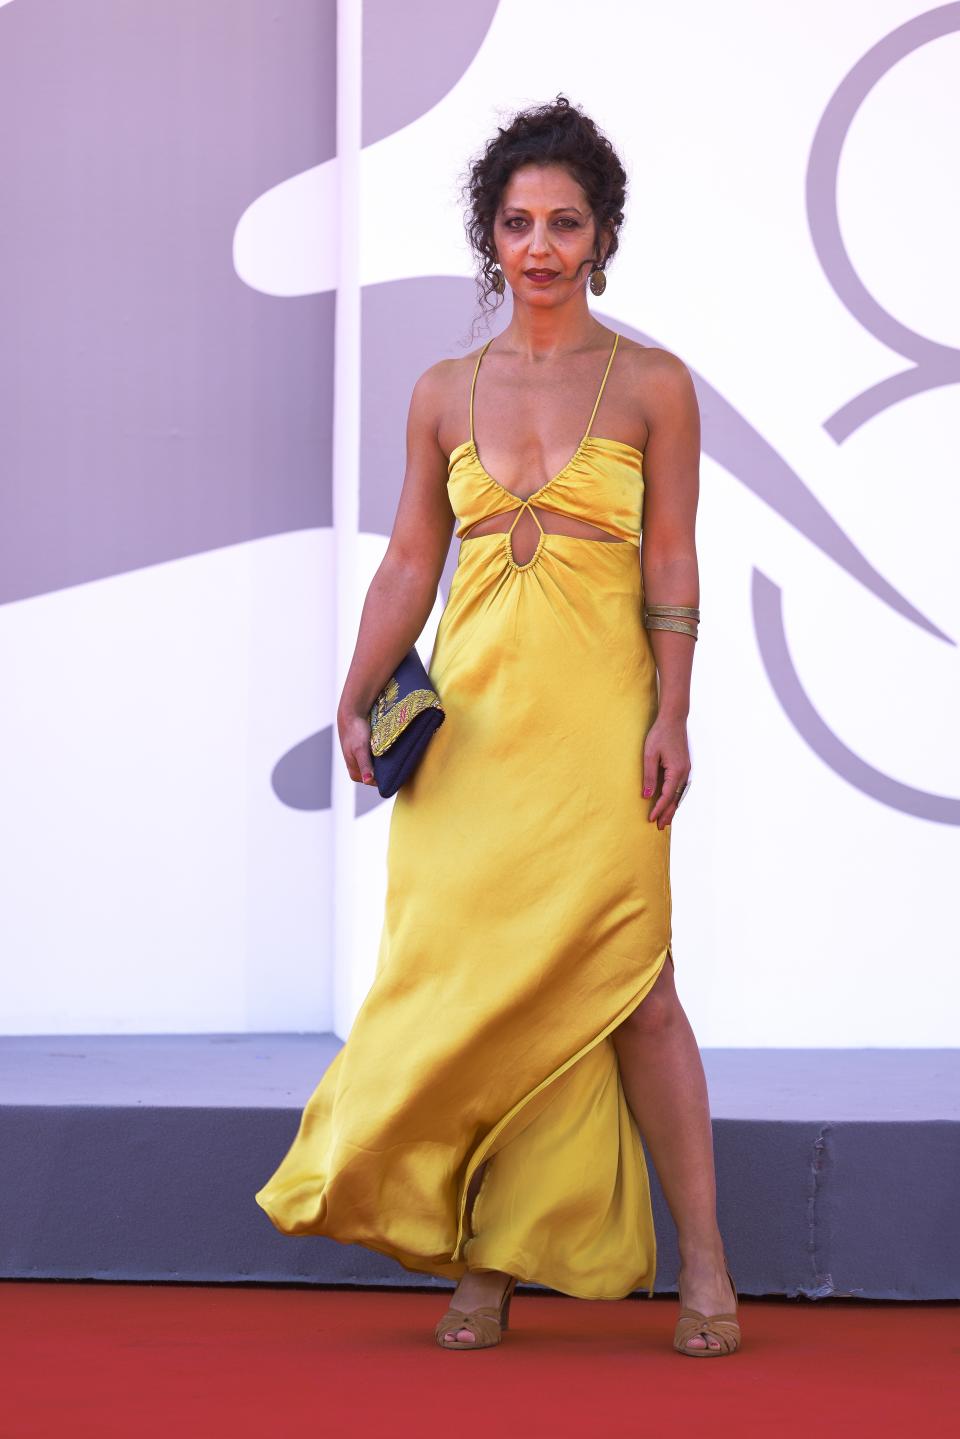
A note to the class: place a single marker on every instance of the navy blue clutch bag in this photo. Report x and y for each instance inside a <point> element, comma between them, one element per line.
<point>405,714</point>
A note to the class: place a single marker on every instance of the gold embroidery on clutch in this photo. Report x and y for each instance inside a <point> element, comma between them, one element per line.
<point>389,718</point>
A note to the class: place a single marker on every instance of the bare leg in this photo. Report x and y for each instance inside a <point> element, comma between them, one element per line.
<point>666,1089</point>
<point>481,1286</point>
<point>663,1079</point>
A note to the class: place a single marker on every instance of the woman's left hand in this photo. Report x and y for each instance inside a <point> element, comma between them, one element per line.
<point>665,746</point>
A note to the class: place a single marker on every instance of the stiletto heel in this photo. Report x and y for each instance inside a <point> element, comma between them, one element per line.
<point>725,1327</point>
<point>488,1323</point>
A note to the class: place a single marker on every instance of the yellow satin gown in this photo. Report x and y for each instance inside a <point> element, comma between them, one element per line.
<point>528,911</point>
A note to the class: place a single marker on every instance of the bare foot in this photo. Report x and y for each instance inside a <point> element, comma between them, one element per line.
<point>477,1289</point>
<point>707,1288</point>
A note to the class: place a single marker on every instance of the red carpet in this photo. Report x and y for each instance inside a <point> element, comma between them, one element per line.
<point>140,1361</point>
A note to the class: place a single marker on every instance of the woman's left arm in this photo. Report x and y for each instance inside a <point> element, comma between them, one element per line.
<point>668,559</point>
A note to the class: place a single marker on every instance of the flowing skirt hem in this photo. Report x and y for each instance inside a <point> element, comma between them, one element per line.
<point>454,1265</point>
<point>483,1148</point>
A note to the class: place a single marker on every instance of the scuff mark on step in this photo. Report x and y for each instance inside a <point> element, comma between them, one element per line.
<point>822,1285</point>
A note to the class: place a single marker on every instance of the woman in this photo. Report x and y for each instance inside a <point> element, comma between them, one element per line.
<point>483,1120</point>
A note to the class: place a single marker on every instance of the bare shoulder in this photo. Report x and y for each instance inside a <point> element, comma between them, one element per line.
<point>429,398</point>
<point>648,365</point>
<point>654,388</point>
<point>443,391</point>
<point>662,386</point>
<point>444,378</point>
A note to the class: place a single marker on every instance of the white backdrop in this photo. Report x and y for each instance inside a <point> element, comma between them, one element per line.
<point>804,908</point>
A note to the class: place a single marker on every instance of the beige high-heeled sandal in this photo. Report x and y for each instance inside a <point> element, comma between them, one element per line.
<point>488,1323</point>
<point>724,1327</point>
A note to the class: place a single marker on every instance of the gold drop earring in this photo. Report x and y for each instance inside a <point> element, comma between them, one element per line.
<point>498,281</point>
<point>598,280</point>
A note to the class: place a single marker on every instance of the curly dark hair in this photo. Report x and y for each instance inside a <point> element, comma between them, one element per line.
<point>556,133</point>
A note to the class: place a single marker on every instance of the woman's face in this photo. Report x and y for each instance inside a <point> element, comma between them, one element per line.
<point>542,233</point>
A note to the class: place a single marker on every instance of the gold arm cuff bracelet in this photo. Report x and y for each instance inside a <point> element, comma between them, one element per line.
<point>683,627</point>
<point>690,610</point>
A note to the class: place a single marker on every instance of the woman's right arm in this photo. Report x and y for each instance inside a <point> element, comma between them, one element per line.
<point>403,590</point>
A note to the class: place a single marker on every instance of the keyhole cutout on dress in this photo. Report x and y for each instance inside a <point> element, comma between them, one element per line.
<point>525,531</point>
<point>524,526</point>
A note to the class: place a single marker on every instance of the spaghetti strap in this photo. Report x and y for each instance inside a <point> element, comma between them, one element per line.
<point>616,341</point>
<point>474,384</point>
<point>596,406</point>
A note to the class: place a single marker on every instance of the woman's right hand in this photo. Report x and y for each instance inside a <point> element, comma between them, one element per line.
<point>354,731</point>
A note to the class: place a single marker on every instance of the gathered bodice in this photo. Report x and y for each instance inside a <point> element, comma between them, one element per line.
<point>601,484</point>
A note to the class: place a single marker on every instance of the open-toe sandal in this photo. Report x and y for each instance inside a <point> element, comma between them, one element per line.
<point>723,1327</point>
<point>487,1323</point>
